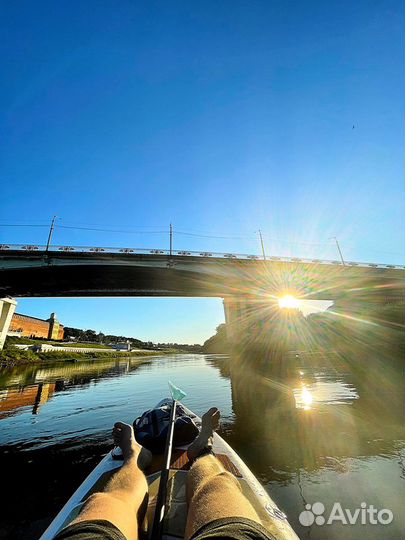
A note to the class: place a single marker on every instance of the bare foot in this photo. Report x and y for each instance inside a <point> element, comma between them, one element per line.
<point>204,440</point>
<point>123,435</point>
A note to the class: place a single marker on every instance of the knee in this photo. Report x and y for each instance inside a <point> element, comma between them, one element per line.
<point>228,478</point>
<point>205,465</point>
<point>223,482</point>
<point>96,499</point>
<point>105,500</point>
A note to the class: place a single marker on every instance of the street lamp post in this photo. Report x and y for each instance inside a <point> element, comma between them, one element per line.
<point>262,244</point>
<point>50,233</point>
<point>340,251</point>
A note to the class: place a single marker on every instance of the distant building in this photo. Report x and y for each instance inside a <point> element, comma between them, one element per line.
<point>31,327</point>
<point>122,346</point>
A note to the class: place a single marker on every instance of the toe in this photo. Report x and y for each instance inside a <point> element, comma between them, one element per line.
<point>210,413</point>
<point>122,430</point>
<point>215,419</point>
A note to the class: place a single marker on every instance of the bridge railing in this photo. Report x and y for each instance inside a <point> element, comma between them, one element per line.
<point>184,253</point>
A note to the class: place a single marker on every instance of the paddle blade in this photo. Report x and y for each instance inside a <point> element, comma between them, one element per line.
<point>176,392</point>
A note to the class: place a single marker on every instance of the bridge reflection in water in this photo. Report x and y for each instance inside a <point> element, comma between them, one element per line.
<point>322,405</point>
<point>329,428</point>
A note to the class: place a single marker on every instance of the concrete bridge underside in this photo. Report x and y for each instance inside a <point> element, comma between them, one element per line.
<point>110,274</point>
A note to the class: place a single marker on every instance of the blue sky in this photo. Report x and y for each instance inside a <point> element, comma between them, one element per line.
<point>221,117</point>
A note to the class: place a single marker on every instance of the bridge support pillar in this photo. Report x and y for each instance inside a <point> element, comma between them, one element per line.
<point>260,333</point>
<point>232,309</point>
<point>7,308</point>
<point>248,325</point>
<point>246,315</point>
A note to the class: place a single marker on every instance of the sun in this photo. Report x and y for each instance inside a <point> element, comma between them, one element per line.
<point>288,301</point>
<point>306,397</point>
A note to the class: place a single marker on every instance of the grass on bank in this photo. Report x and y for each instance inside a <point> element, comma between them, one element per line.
<point>82,345</point>
<point>11,356</point>
<point>12,340</point>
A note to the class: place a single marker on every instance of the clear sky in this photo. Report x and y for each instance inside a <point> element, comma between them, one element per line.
<point>220,117</point>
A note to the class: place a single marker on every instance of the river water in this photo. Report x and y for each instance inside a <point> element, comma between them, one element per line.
<point>321,433</point>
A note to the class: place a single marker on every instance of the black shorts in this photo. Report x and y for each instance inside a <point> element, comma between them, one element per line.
<point>232,528</point>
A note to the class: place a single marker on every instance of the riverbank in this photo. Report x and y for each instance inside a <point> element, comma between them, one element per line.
<point>12,357</point>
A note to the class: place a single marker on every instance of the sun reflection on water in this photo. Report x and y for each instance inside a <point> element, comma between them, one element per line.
<point>306,398</point>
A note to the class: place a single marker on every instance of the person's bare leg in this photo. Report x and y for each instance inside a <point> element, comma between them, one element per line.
<point>126,492</point>
<point>212,492</point>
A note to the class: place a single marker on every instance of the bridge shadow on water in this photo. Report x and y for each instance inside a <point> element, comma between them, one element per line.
<point>321,418</point>
<point>318,404</point>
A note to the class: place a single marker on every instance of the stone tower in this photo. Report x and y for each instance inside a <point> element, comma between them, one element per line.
<point>54,326</point>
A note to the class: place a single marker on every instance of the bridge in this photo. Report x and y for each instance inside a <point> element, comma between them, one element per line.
<point>95,271</point>
<point>244,281</point>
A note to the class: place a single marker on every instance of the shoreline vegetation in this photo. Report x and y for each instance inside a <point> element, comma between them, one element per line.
<point>12,357</point>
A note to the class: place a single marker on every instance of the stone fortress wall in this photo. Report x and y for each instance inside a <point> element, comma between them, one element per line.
<point>27,326</point>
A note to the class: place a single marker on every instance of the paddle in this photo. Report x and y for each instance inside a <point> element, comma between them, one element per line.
<point>157,526</point>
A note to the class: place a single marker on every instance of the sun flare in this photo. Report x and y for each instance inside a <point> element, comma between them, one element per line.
<point>306,397</point>
<point>288,301</point>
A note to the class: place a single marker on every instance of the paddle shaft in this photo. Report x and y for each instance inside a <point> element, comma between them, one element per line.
<point>164,477</point>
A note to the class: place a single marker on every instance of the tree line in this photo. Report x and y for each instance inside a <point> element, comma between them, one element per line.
<point>91,336</point>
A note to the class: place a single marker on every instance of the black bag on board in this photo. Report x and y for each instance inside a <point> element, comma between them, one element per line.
<point>151,428</point>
